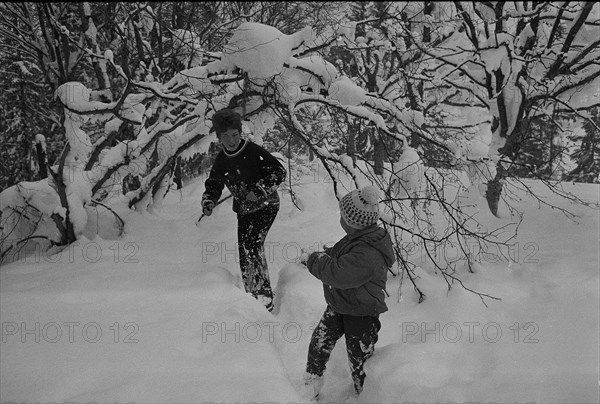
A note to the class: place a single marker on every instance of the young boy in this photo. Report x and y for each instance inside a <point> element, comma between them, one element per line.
<point>252,175</point>
<point>354,273</point>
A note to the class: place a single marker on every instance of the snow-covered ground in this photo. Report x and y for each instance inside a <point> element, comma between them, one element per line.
<point>160,315</point>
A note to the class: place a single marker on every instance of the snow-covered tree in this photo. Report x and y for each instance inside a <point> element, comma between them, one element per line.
<point>420,78</point>
<point>133,136</point>
<point>519,60</point>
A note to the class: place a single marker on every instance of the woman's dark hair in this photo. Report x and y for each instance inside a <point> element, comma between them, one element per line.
<point>226,119</point>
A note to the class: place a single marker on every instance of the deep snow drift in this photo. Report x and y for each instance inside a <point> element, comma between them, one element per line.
<point>160,315</point>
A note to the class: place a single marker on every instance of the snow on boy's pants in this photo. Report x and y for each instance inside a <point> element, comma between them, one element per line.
<point>252,231</point>
<point>361,336</point>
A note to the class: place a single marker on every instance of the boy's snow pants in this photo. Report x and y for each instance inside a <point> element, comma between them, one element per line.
<point>361,336</point>
<point>252,232</point>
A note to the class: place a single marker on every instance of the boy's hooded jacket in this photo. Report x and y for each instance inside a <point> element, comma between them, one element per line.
<point>249,168</point>
<point>354,271</point>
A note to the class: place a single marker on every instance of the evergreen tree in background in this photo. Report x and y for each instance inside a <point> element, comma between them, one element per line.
<point>587,155</point>
<point>540,150</point>
<point>25,110</point>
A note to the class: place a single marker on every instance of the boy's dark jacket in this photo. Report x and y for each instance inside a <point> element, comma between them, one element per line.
<point>249,168</point>
<point>354,271</point>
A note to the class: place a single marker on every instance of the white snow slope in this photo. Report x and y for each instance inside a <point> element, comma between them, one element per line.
<point>160,315</point>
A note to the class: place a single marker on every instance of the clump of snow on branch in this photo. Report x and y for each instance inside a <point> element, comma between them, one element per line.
<point>133,109</point>
<point>38,199</point>
<point>259,124</point>
<point>346,92</point>
<point>187,48</point>
<point>261,50</point>
<point>347,31</point>
<point>79,193</point>
<point>309,73</point>
<point>408,173</point>
<point>320,67</point>
<point>39,195</point>
<point>72,95</point>
<point>347,164</point>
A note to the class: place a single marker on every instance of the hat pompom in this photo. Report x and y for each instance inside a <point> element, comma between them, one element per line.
<point>370,194</point>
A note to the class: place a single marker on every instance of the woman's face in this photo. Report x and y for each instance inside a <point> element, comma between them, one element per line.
<point>230,139</point>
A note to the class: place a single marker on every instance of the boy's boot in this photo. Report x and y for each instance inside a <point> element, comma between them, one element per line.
<point>266,301</point>
<point>313,385</point>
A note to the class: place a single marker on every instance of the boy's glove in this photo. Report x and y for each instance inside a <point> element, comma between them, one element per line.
<point>207,207</point>
<point>327,247</point>
<point>304,254</point>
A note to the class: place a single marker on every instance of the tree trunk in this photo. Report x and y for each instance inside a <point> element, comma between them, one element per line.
<point>100,68</point>
<point>353,128</point>
<point>178,18</point>
<point>42,160</point>
<point>428,7</point>
<point>378,153</point>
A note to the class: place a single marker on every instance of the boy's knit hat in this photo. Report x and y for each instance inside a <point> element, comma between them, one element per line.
<point>360,208</point>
